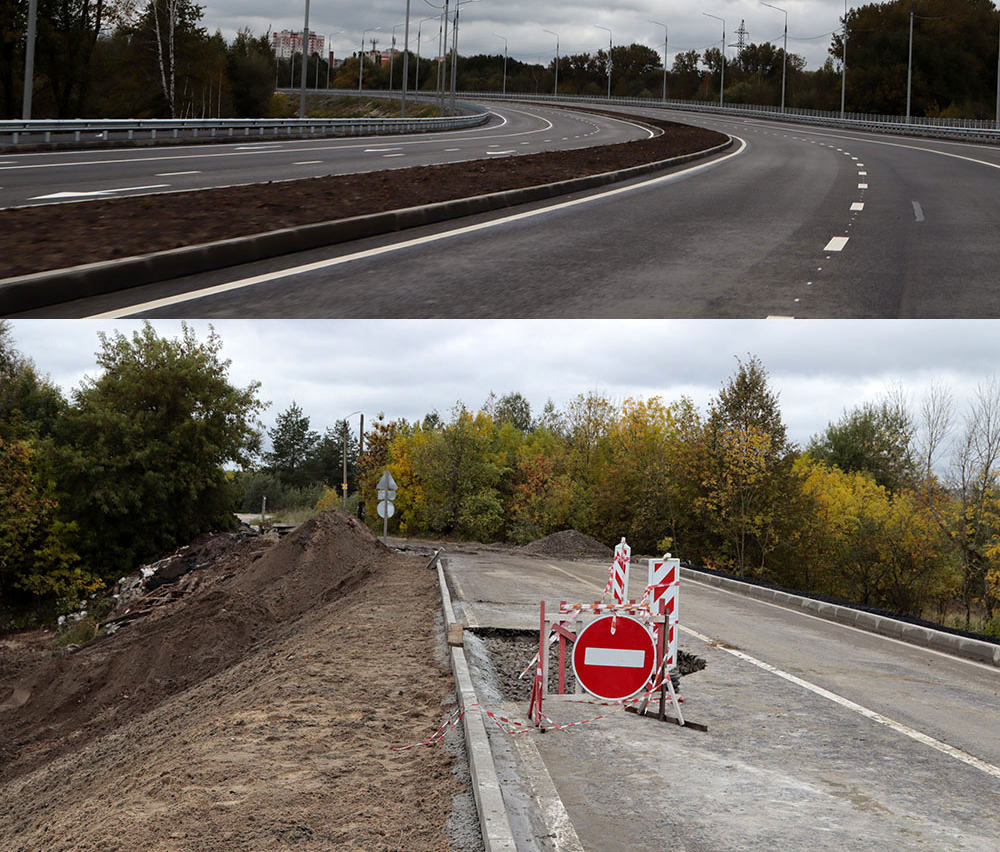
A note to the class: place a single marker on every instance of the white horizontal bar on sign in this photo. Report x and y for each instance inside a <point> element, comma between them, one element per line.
<point>614,657</point>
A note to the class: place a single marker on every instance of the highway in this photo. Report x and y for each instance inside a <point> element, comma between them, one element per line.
<point>820,736</point>
<point>794,221</point>
<point>65,176</point>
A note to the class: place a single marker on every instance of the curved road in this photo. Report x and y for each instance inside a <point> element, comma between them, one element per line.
<point>32,179</point>
<point>795,221</point>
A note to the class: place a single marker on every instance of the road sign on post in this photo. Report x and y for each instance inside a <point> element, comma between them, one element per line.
<point>614,665</point>
<point>386,494</point>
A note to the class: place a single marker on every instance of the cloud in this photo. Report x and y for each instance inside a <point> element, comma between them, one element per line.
<point>809,24</point>
<point>406,368</point>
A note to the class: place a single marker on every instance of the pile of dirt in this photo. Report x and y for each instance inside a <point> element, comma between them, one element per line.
<point>52,236</point>
<point>247,595</point>
<point>256,712</point>
<point>568,544</point>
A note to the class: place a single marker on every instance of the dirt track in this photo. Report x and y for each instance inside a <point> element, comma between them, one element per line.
<point>256,712</point>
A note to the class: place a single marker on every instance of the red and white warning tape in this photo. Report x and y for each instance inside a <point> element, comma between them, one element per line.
<point>624,702</point>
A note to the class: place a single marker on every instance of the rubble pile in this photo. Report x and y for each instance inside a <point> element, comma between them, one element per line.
<point>568,544</point>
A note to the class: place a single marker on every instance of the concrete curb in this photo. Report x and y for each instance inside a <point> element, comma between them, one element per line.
<point>949,643</point>
<point>42,289</point>
<point>493,821</point>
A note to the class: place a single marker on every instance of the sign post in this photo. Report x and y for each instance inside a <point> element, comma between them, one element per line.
<point>386,494</point>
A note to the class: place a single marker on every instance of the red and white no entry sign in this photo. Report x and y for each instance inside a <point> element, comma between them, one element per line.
<point>615,665</point>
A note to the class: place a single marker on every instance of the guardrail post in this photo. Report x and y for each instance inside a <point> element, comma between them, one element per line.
<point>15,137</point>
<point>48,135</point>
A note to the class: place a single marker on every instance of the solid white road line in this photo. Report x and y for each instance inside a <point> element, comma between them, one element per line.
<point>899,727</point>
<point>418,241</point>
<point>836,244</point>
<point>850,627</point>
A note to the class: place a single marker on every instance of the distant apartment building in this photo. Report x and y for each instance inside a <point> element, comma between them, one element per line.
<point>286,44</point>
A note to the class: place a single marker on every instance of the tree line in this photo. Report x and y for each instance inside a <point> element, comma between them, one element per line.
<point>893,505</point>
<point>125,58</point>
<point>129,59</point>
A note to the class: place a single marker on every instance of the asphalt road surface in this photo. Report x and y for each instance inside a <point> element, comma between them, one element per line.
<point>794,221</point>
<point>820,736</point>
<point>67,176</point>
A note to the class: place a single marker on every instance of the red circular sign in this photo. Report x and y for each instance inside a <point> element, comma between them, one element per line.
<point>615,665</point>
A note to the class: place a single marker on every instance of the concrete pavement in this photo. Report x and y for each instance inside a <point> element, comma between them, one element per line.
<point>783,765</point>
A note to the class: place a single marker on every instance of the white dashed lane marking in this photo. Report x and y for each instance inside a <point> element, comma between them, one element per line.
<point>836,244</point>
<point>858,205</point>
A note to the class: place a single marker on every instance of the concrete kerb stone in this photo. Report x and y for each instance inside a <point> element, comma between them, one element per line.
<point>493,820</point>
<point>42,289</point>
<point>960,646</point>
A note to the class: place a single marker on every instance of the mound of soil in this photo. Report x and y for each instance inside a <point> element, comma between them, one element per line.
<point>256,712</point>
<point>568,544</point>
<point>52,236</point>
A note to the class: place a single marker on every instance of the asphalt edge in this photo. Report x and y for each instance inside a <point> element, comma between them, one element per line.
<point>938,640</point>
<point>43,289</point>
<point>493,820</point>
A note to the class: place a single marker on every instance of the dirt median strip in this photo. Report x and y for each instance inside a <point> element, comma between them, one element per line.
<point>167,235</point>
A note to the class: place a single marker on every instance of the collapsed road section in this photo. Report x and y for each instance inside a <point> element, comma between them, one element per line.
<point>819,735</point>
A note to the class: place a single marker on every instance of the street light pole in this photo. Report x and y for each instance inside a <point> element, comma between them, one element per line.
<point>329,57</point>
<point>998,83</point>
<point>665,34</point>
<point>843,68</point>
<point>556,90</point>
<point>784,65</point>
<point>29,61</point>
<point>909,68</point>
<point>406,59</point>
<point>392,53</point>
<point>305,62</point>
<point>454,46</point>
<point>504,38</point>
<point>610,37</point>
<point>361,56</point>
<point>416,75</point>
<point>722,81</point>
<point>344,454</point>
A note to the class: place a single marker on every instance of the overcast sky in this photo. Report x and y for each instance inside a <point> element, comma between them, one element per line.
<point>407,368</point>
<point>523,23</point>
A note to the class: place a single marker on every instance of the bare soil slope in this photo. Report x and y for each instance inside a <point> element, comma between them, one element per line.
<point>257,712</point>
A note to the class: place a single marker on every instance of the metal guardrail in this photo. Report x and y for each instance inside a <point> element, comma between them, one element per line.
<point>967,129</point>
<point>78,130</point>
